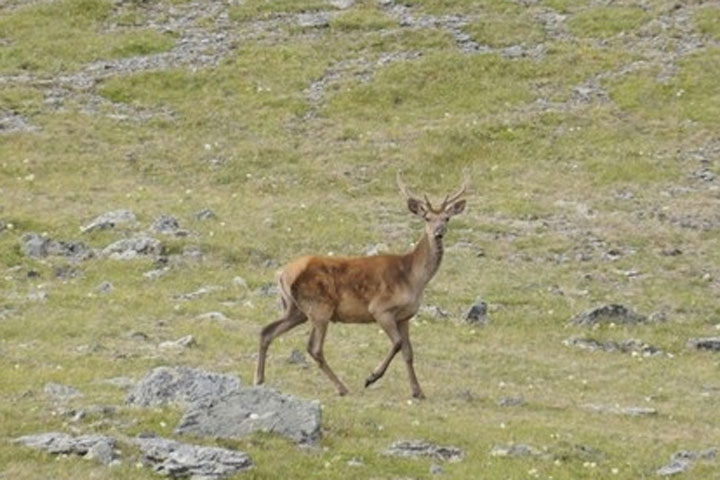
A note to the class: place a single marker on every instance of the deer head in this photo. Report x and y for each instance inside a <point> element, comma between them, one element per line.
<point>436,219</point>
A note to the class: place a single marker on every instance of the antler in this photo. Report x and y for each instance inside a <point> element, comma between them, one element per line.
<point>450,199</point>
<point>403,188</point>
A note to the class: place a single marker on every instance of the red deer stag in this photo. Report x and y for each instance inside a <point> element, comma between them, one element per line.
<point>386,289</point>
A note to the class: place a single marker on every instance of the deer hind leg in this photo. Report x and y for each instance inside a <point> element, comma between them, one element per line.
<point>293,317</point>
<point>404,329</point>
<point>387,322</point>
<point>315,349</point>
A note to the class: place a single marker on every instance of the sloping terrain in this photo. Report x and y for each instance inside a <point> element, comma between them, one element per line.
<point>224,138</point>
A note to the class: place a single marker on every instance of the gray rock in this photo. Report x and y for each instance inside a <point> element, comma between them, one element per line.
<point>313,20</point>
<point>249,410</point>
<point>197,293</point>
<point>613,313</point>
<point>516,401</point>
<point>632,346</point>
<point>101,452</point>
<point>157,273</point>
<point>205,214</point>
<point>185,342</point>
<point>629,411</point>
<point>105,287</point>
<point>180,385</point>
<point>355,462</point>
<point>421,448</point>
<point>342,4</point>
<point>684,459</point>
<point>175,459</point>
<point>436,469</point>
<point>39,246</point>
<point>168,225</point>
<point>514,450</point>
<point>239,281</point>
<point>62,443</point>
<point>110,220</point>
<point>707,343</point>
<point>213,316</point>
<point>433,311</point>
<point>130,248</point>
<point>477,314</point>
<point>58,391</point>
<point>297,358</point>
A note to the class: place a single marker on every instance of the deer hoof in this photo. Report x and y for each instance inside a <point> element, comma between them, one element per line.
<point>419,395</point>
<point>370,380</point>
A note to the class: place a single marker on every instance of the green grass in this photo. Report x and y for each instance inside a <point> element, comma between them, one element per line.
<point>557,184</point>
<point>708,21</point>
<point>606,22</point>
<point>61,36</point>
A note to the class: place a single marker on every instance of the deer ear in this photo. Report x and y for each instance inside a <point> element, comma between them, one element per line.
<point>416,207</point>
<point>456,208</point>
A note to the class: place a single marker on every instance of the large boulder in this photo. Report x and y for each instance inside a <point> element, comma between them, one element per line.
<point>99,447</point>
<point>249,410</point>
<point>40,246</point>
<point>180,385</point>
<point>175,459</point>
<point>707,343</point>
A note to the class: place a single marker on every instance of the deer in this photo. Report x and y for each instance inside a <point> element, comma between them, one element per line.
<point>386,289</point>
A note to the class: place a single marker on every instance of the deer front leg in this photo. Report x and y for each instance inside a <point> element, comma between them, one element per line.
<point>387,322</point>
<point>407,352</point>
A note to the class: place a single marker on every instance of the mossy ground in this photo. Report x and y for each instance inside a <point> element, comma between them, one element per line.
<point>573,205</point>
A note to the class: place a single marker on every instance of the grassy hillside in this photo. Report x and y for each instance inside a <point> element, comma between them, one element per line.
<point>590,132</point>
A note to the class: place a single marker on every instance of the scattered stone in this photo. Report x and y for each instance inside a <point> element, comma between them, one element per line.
<point>214,316</point>
<point>37,296</point>
<point>197,293</point>
<point>40,246</point>
<point>66,272</point>
<point>138,335</point>
<point>12,122</point>
<point>205,214</point>
<point>130,248</point>
<point>248,410</point>
<point>297,358</point>
<point>313,20</point>
<point>193,252</point>
<point>420,448</point>
<point>613,313</point>
<point>175,459</point>
<point>708,343</point>
<point>78,414</point>
<point>101,452</point>
<point>433,311</point>
<point>62,443</point>
<point>632,346</point>
<point>477,314</point>
<point>684,459</point>
<point>157,273</point>
<point>240,282</point>
<point>629,411</point>
<point>105,287</point>
<point>180,385</point>
<point>268,290</point>
<point>436,469</point>
<point>342,4</point>
<point>110,220</point>
<point>184,342</point>
<point>516,401</point>
<point>168,225</point>
<point>514,450</point>
<point>60,392</point>
<point>355,462</point>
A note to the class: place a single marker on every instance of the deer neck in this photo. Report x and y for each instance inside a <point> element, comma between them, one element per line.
<point>426,259</point>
